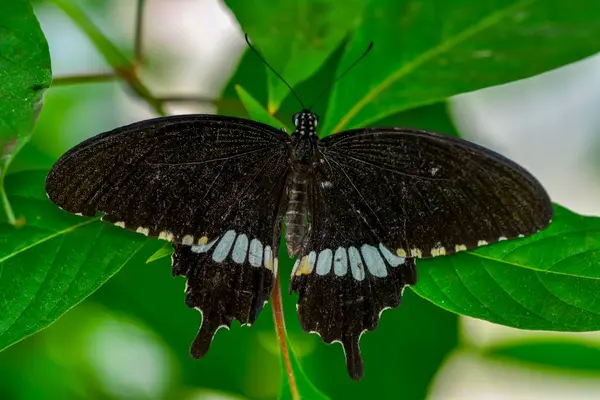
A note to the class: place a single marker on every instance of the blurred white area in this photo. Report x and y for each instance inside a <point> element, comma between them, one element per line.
<point>483,334</point>
<point>130,362</point>
<point>466,376</point>
<point>550,124</point>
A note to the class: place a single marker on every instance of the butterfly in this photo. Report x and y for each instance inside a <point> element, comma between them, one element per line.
<point>359,208</point>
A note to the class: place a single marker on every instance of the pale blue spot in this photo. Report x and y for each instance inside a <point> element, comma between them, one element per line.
<point>240,249</point>
<point>340,262</point>
<point>312,257</point>
<point>256,253</point>
<point>356,264</point>
<point>374,261</point>
<point>393,259</point>
<point>324,262</point>
<point>222,250</point>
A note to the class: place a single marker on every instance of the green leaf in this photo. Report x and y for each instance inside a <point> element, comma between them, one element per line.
<point>306,390</point>
<point>569,355</point>
<point>54,261</point>
<point>256,111</point>
<point>305,33</point>
<point>434,117</point>
<point>250,75</point>
<point>549,281</point>
<point>25,74</point>
<point>426,51</point>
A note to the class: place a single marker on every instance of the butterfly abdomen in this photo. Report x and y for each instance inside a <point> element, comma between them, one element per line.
<point>296,213</point>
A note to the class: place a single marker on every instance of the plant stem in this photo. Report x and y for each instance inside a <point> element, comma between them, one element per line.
<point>88,78</point>
<point>10,215</point>
<point>279,320</point>
<point>139,32</point>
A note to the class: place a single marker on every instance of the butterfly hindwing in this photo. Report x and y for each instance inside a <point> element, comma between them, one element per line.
<point>229,278</point>
<point>179,178</point>
<point>340,298</point>
<point>424,194</point>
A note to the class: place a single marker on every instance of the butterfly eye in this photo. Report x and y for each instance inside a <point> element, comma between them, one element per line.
<point>295,118</point>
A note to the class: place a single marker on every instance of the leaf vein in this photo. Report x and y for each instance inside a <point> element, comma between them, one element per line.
<point>472,30</point>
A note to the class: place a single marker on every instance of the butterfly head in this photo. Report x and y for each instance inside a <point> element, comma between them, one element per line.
<point>306,122</point>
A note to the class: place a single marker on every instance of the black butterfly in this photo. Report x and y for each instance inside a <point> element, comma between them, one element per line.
<point>359,207</point>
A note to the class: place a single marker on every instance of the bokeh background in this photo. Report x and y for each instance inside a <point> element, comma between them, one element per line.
<point>130,339</point>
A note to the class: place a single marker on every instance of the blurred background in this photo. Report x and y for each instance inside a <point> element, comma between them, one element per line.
<point>130,339</point>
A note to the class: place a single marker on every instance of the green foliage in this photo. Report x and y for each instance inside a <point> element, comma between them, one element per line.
<point>24,76</point>
<point>53,262</point>
<point>255,110</point>
<point>111,53</point>
<point>306,31</point>
<point>305,388</point>
<point>567,355</point>
<point>547,281</point>
<point>425,51</point>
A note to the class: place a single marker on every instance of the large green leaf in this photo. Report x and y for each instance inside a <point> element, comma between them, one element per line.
<point>54,261</point>
<point>24,75</point>
<point>426,51</point>
<point>547,281</point>
<point>256,111</point>
<point>567,355</point>
<point>434,117</point>
<point>305,32</point>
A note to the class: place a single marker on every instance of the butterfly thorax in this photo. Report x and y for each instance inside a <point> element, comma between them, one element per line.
<point>302,159</point>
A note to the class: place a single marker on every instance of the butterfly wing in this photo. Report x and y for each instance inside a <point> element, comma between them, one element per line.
<point>178,178</point>
<point>212,185</point>
<point>381,197</point>
<point>425,194</point>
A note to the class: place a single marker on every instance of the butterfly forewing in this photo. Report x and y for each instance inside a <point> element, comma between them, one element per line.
<point>179,178</point>
<point>424,194</point>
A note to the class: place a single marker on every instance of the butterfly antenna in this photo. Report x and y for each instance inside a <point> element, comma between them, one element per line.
<point>336,80</point>
<point>275,72</point>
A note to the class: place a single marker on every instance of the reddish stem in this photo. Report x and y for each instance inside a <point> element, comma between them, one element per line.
<point>279,320</point>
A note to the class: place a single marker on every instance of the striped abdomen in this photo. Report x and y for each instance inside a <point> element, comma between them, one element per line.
<point>296,213</point>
